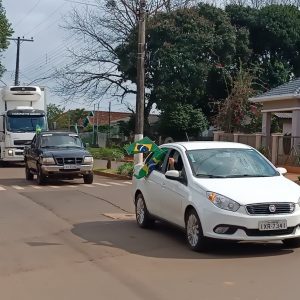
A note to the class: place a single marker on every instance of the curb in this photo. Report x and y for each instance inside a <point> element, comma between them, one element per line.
<point>116,176</point>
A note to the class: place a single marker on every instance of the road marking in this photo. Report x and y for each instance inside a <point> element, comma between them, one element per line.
<point>115,183</point>
<point>71,186</point>
<point>2,188</point>
<point>17,187</point>
<point>36,187</point>
<point>127,182</point>
<point>120,216</point>
<point>87,185</point>
<point>101,184</point>
<point>54,186</point>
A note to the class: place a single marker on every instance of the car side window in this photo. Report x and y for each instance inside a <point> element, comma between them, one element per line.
<point>175,161</point>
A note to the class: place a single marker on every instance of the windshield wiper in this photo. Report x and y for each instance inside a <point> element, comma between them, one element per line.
<point>246,175</point>
<point>49,147</point>
<point>209,176</point>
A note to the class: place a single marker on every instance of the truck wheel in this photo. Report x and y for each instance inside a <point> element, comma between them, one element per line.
<point>28,175</point>
<point>41,178</point>
<point>88,178</point>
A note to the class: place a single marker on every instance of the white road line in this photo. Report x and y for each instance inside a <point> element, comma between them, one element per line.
<point>36,187</point>
<point>115,183</point>
<point>17,187</point>
<point>101,184</point>
<point>71,186</point>
<point>54,186</point>
<point>87,185</point>
<point>2,188</point>
<point>127,182</point>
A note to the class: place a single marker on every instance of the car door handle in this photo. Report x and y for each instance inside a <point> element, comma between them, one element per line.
<point>163,185</point>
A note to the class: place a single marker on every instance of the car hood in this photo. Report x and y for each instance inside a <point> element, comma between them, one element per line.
<point>253,190</point>
<point>66,152</point>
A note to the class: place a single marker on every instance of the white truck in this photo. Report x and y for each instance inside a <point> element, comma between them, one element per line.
<point>22,113</point>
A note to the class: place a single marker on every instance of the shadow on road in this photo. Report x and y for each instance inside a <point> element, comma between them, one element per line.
<point>164,241</point>
<point>10,165</point>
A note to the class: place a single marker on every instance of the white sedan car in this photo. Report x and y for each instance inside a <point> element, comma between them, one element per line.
<point>220,190</point>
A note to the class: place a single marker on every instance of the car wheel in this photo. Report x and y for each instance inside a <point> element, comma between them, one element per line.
<point>41,178</point>
<point>194,233</point>
<point>292,243</point>
<point>88,178</point>
<point>29,176</point>
<point>142,215</point>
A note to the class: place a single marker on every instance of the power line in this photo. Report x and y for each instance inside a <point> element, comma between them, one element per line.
<point>28,13</point>
<point>49,16</point>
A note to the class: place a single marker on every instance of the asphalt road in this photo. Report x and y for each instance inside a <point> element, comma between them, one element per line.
<point>73,241</point>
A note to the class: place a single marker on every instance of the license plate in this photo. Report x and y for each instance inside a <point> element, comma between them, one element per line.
<point>70,167</point>
<point>272,225</point>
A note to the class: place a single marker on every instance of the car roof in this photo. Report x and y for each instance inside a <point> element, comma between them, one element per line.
<point>206,145</point>
<point>58,133</point>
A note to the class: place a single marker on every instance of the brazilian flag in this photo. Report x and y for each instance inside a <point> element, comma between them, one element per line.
<point>157,157</point>
<point>144,145</point>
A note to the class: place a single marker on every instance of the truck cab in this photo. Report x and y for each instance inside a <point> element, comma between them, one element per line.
<point>22,114</point>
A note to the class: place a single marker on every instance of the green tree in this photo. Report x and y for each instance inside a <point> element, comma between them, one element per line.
<point>5,32</point>
<point>184,48</point>
<point>274,35</point>
<point>182,119</point>
<point>55,113</point>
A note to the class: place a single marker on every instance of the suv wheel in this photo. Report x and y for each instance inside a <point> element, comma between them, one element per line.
<point>141,212</point>
<point>88,178</point>
<point>41,178</point>
<point>292,243</point>
<point>29,176</point>
<point>194,233</point>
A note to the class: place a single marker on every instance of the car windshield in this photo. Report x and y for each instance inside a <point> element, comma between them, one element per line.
<point>25,123</point>
<point>229,163</point>
<point>60,141</point>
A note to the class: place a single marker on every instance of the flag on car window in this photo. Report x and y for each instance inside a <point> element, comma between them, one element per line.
<point>157,157</point>
<point>144,145</point>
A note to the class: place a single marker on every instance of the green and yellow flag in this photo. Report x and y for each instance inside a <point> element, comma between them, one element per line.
<point>144,145</point>
<point>157,157</point>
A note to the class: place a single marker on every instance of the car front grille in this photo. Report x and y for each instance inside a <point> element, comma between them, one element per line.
<point>270,208</point>
<point>21,142</point>
<point>68,160</point>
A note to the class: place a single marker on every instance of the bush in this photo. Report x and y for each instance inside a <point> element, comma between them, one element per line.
<point>107,153</point>
<point>126,169</point>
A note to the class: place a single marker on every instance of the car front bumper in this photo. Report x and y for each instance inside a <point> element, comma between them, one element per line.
<point>53,170</point>
<point>245,227</point>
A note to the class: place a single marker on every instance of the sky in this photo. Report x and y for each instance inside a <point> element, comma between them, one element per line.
<point>42,21</point>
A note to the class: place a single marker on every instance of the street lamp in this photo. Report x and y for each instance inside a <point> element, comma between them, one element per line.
<point>140,95</point>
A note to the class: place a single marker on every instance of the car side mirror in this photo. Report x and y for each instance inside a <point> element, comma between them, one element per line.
<point>282,171</point>
<point>173,175</point>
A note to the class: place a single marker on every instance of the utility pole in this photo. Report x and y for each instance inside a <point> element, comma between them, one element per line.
<point>19,40</point>
<point>109,110</point>
<point>140,96</point>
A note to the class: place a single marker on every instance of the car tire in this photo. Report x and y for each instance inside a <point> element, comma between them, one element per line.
<point>28,175</point>
<point>41,178</point>
<point>292,243</point>
<point>142,215</point>
<point>88,178</point>
<point>194,233</point>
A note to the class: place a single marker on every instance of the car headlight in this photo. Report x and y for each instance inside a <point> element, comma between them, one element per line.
<point>222,201</point>
<point>88,160</point>
<point>48,161</point>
